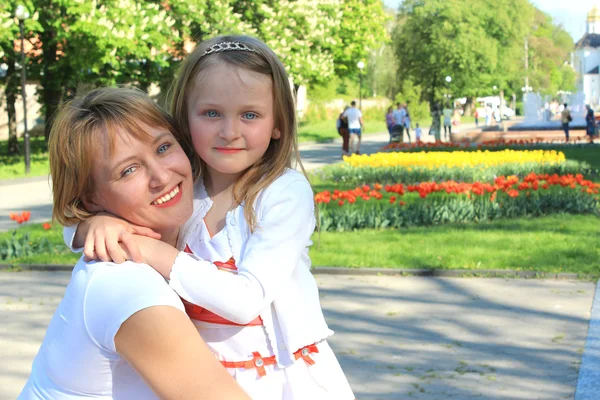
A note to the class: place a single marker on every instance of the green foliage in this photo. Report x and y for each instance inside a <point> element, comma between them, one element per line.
<point>442,208</point>
<point>349,175</point>
<point>480,45</point>
<point>21,245</point>
<point>362,29</point>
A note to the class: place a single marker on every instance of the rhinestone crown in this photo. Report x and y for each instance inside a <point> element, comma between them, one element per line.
<point>227,46</point>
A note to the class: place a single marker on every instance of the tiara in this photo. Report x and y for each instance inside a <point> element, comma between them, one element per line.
<point>227,46</point>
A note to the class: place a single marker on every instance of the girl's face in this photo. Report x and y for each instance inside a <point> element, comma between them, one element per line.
<point>231,118</point>
<point>147,183</point>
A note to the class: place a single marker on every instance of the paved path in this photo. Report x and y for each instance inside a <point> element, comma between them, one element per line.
<point>396,337</point>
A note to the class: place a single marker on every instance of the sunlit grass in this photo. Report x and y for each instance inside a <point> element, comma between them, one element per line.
<point>559,243</point>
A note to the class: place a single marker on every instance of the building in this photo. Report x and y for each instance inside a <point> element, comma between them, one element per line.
<point>586,59</point>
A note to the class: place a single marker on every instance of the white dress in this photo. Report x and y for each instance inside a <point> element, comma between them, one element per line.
<point>323,380</point>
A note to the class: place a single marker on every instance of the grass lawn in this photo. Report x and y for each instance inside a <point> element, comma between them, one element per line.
<point>559,243</point>
<point>589,154</point>
<point>324,131</point>
<point>14,166</point>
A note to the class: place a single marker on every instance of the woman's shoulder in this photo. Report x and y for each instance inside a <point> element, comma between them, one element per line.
<point>124,280</point>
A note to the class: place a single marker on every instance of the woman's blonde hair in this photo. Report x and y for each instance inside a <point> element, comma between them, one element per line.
<point>77,133</point>
<point>282,153</point>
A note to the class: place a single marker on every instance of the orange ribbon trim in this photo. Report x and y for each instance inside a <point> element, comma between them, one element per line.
<point>201,314</point>
<point>305,352</point>
<point>257,363</point>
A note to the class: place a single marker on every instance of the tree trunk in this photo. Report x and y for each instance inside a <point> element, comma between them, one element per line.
<point>469,107</point>
<point>51,81</point>
<point>12,86</point>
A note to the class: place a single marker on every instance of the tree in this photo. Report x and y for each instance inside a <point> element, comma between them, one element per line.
<point>9,34</point>
<point>479,45</point>
<point>362,30</point>
<point>549,48</point>
<point>440,38</point>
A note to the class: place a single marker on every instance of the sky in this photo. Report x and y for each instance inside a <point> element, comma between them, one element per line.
<point>570,13</point>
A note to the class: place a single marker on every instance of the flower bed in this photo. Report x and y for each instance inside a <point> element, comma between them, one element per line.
<point>466,143</point>
<point>456,158</point>
<point>349,175</point>
<point>431,203</point>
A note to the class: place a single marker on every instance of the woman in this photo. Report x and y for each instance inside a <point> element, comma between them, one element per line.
<point>590,122</point>
<point>389,121</point>
<point>122,333</point>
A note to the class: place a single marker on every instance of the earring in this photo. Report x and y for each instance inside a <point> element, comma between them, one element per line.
<point>276,134</point>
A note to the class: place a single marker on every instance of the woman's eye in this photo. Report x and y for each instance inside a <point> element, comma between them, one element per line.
<point>163,148</point>
<point>250,115</point>
<point>211,114</point>
<point>128,171</point>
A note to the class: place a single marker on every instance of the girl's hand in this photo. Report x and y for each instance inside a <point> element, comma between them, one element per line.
<point>105,234</point>
<point>159,255</point>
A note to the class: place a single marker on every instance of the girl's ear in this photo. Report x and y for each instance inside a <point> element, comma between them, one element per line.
<point>90,204</point>
<point>276,134</point>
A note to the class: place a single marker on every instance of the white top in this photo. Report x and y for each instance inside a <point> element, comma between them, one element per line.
<point>354,115</point>
<point>273,280</point>
<point>418,132</point>
<point>398,115</point>
<point>77,358</point>
<point>228,342</point>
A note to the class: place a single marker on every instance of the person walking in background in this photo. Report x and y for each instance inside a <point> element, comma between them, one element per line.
<point>342,127</point>
<point>488,114</point>
<point>456,120</point>
<point>497,116</point>
<point>436,127</point>
<point>590,123</point>
<point>398,116</point>
<point>447,113</point>
<point>407,121</point>
<point>389,121</point>
<point>565,119</point>
<point>355,125</point>
<point>476,115</point>
<point>418,133</point>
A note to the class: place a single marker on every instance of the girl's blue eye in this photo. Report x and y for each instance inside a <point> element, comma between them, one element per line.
<point>163,148</point>
<point>128,171</point>
<point>212,114</point>
<point>250,115</point>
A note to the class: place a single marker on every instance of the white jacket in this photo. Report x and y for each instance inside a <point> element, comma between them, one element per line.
<point>274,279</point>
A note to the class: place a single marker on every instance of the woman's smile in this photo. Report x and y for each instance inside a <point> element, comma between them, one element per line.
<point>170,198</point>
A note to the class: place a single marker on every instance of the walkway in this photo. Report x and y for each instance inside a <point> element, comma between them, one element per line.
<point>396,337</point>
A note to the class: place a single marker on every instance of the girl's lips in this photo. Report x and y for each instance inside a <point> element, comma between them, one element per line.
<point>173,201</point>
<point>226,150</point>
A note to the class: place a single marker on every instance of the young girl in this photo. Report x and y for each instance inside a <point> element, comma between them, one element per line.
<point>245,272</point>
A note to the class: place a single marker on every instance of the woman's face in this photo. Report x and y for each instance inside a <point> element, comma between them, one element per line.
<point>147,183</point>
